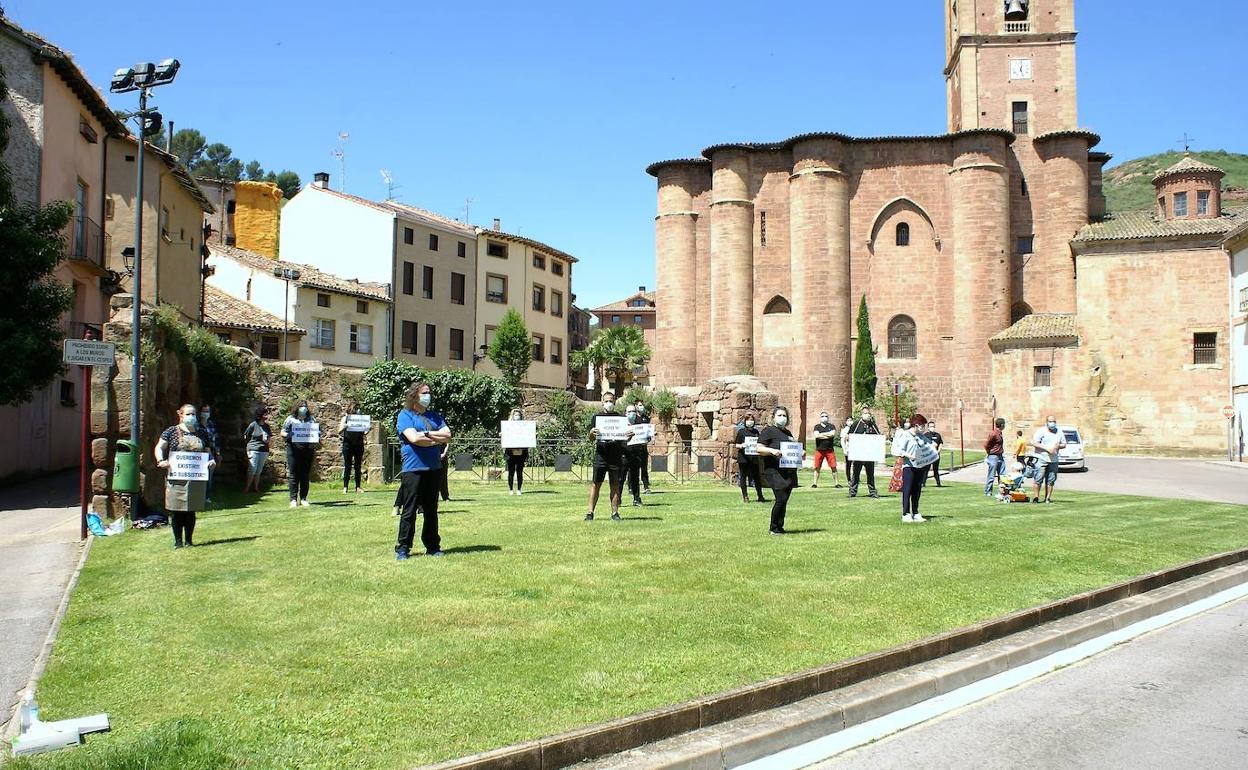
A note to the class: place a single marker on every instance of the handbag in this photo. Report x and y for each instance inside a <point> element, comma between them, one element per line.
<point>894,484</point>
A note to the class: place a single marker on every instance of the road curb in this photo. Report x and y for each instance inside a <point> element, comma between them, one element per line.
<point>45,652</point>
<point>854,686</point>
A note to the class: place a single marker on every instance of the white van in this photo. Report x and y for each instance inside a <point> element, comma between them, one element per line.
<point>1072,455</point>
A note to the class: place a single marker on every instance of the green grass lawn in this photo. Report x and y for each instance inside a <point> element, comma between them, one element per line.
<point>293,639</point>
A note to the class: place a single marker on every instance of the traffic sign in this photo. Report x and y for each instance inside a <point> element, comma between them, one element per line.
<point>89,353</point>
<point>1228,411</point>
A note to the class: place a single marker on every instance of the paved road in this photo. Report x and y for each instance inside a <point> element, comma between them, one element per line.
<point>39,549</point>
<point>1172,698</point>
<point>1184,479</point>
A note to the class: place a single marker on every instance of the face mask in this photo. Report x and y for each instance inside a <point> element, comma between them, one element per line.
<point>189,422</point>
<point>1053,427</point>
<point>608,406</point>
<point>866,418</point>
<point>906,425</point>
<point>426,399</point>
<point>823,420</point>
<point>782,420</point>
<point>632,417</point>
<point>303,411</point>
<point>207,416</point>
<point>515,416</point>
<point>749,423</point>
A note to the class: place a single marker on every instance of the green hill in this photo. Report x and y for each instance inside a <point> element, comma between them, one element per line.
<point>1129,186</point>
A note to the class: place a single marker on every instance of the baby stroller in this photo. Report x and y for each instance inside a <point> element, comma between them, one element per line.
<point>1011,485</point>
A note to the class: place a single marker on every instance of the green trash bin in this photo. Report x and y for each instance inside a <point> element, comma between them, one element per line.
<point>126,467</point>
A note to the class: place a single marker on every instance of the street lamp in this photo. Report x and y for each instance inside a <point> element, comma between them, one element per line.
<point>142,77</point>
<point>287,274</point>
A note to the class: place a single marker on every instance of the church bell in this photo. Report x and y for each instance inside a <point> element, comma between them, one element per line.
<point>1016,10</point>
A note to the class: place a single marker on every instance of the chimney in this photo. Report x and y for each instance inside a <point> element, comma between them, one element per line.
<point>498,225</point>
<point>641,289</point>
<point>169,139</point>
<point>321,179</point>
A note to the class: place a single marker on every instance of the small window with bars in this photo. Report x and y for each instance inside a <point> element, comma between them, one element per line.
<point>1205,348</point>
<point>1019,113</point>
<point>1042,377</point>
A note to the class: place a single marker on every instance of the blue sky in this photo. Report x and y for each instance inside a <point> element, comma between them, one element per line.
<point>545,114</point>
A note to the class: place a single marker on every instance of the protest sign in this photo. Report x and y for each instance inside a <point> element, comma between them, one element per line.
<point>751,445</point>
<point>612,428</point>
<point>359,423</point>
<point>790,454</point>
<point>188,466</point>
<point>864,448</point>
<point>305,433</point>
<point>642,434</point>
<point>518,434</point>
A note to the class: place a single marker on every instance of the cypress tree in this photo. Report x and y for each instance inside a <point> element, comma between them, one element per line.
<point>864,359</point>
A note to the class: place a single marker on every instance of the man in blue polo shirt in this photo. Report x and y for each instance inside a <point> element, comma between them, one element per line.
<point>422,433</point>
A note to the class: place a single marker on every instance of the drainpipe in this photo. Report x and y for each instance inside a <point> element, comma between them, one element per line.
<point>1230,346</point>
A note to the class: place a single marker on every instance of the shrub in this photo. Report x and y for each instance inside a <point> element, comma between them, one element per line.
<point>469,401</point>
<point>663,404</point>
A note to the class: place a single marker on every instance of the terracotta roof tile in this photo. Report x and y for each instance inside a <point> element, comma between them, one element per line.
<point>227,311</point>
<point>622,305</point>
<point>1134,225</point>
<point>1040,326</point>
<point>546,248</point>
<point>308,275</point>
<point>1188,165</point>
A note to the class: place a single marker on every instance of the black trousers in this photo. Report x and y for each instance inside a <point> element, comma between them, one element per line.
<point>855,471</point>
<point>515,471</point>
<point>419,490</point>
<point>352,457</point>
<point>298,472</point>
<point>183,523</point>
<point>936,470</point>
<point>645,470</point>
<point>912,488</point>
<point>747,474</point>
<point>779,508</point>
<point>444,485</point>
<point>634,466</point>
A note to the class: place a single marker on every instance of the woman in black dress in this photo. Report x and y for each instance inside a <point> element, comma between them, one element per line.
<point>781,480</point>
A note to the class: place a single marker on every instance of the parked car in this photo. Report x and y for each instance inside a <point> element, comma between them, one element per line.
<point>1072,455</point>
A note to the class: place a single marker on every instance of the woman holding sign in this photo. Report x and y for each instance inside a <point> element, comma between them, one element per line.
<point>747,460</point>
<point>353,428</point>
<point>917,453</point>
<point>782,456</point>
<point>516,458</point>
<point>185,452</point>
<point>302,436</point>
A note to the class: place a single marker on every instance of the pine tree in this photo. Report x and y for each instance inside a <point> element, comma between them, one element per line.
<point>864,358</point>
<point>511,350</point>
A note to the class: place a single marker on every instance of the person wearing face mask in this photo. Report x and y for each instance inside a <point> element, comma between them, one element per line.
<point>608,461</point>
<point>1048,443</point>
<point>938,441</point>
<point>747,465</point>
<point>299,456</point>
<point>516,458</point>
<point>825,434</point>
<point>423,433</point>
<point>865,425</point>
<point>635,456</point>
<point>917,453</point>
<point>781,480</point>
<point>184,498</point>
<point>210,427</point>
<point>352,448</point>
<point>643,417</point>
<point>257,437</point>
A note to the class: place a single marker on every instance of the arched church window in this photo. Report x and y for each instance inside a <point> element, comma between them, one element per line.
<point>902,335</point>
<point>903,234</point>
<point>777,305</point>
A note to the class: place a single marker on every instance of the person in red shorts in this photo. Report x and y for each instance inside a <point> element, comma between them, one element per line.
<point>825,449</point>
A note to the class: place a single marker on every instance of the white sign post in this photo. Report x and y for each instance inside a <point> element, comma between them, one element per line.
<point>864,447</point>
<point>751,446</point>
<point>188,466</point>
<point>359,423</point>
<point>518,434</point>
<point>790,454</point>
<point>305,433</point>
<point>642,434</point>
<point>89,353</point>
<point>612,428</point>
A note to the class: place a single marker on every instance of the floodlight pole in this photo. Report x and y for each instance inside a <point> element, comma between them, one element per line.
<point>137,284</point>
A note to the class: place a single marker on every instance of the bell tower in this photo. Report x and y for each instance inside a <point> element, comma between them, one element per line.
<point>1011,64</point>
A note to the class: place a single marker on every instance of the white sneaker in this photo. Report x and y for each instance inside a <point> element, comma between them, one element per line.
<point>917,518</point>
<point>304,502</point>
<point>396,510</point>
<point>294,503</point>
<point>906,518</point>
<point>519,492</point>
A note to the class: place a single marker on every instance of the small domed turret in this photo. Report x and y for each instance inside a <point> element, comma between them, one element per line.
<point>1189,189</point>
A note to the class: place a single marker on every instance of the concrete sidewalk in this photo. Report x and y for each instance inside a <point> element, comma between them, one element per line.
<point>39,550</point>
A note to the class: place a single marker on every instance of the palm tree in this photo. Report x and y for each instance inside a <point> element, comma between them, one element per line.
<point>592,358</point>
<point>625,351</point>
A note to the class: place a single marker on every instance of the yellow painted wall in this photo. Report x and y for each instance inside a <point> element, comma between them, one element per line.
<point>256,212</point>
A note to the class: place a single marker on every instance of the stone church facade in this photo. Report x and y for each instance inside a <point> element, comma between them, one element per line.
<point>765,249</point>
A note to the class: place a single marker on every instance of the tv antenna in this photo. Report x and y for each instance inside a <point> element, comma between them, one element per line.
<point>388,178</point>
<point>340,152</point>
<point>467,208</point>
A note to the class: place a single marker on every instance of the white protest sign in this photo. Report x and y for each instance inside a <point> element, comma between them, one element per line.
<point>359,423</point>
<point>790,454</point>
<point>751,445</point>
<point>642,434</point>
<point>305,433</point>
<point>89,353</point>
<point>612,428</point>
<point>864,447</point>
<point>518,434</point>
<point>188,466</point>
